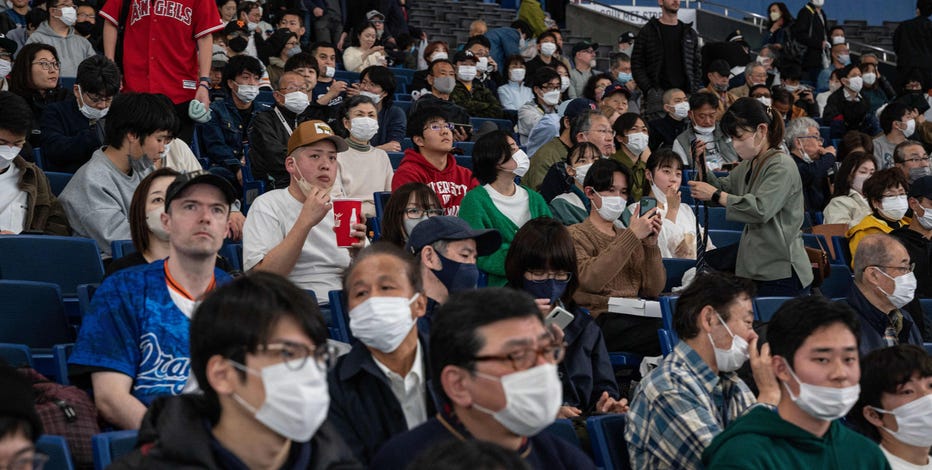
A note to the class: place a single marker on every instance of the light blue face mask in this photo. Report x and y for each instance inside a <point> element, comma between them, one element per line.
<point>624,77</point>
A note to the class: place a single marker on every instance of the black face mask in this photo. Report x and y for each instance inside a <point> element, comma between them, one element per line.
<point>237,44</point>
<point>84,28</point>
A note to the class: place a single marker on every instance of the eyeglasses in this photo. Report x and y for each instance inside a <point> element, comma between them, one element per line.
<point>6,56</point>
<point>524,359</point>
<point>295,355</point>
<point>440,127</point>
<point>417,212</point>
<point>924,158</point>
<point>603,131</point>
<point>542,276</point>
<point>899,269</point>
<point>368,84</point>
<point>809,137</point>
<point>86,16</point>
<point>294,88</point>
<point>550,87</point>
<point>48,66</point>
<point>97,99</point>
<point>36,462</point>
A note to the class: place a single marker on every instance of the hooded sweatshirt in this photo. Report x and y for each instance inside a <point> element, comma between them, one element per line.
<point>72,49</point>
<point>450,184</point>
<point>761,439</point>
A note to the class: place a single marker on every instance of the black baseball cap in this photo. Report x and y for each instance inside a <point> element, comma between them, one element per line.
<point>577,106</point>
<point>922,187</point>
<point>583,45</point>
<point>186,180</point>
<point>627,37</point>
<point>616,88</point>
<point>464,55</point>
<point>7,44</point>
<point>452,228</point>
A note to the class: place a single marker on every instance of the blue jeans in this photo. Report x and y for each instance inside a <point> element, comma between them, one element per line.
<point>786,287</point>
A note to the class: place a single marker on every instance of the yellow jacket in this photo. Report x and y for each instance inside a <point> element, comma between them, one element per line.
<point>868,226</point>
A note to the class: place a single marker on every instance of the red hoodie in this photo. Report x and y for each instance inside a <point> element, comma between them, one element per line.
<point>450,184</point>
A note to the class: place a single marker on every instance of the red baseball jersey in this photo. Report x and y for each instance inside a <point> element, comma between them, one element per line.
<point>160,43</point>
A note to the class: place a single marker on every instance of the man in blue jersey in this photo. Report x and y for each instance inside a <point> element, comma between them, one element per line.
<point>134,341</point>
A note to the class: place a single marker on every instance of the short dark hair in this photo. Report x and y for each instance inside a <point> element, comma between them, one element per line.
<point>454,340</point>
<point>491,150</point>
<point>480,40</point>
<point>884,371</point>
<point>850,165</point>
<point>294,13</point>
<point>543,244</point>
<point>589,88</point>
<point>664,157</point>
<point>237,65</point>
<point>601,174</point>
<point>901,147</point>
<point>543,76</point>
<point>246,7</point>
<point>237,318</point>
<point>852,140</point>
<point>924,7</point>
<point>301,60</point>
<point>425,114</point>
<point>142,114</point>
<point>799,318</point>
<point>748,113</point>
<point>890,114</point>
<point>319,44</point>
<point>782,95</point>
<point>468,454</point>
<point>384,78</point>
<point>138,226</point>
<point>791,70</point>
<point>430,67</point>
<point>579,148</point>
<point>717,290</point>
<point>98,74</point>
<point>698,100</point>
<point>547,34</point>
<point>846,70</point>
<point>21,74</point>
<point>354,38</point>
<point>16,117</point>
<point>352,103</point>
<point>626,122</point>
<point>393,215</point>
<point>412,270</point>
<point>881,180</point>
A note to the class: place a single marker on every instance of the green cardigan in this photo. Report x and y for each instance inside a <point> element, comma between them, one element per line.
<point>478,209</point>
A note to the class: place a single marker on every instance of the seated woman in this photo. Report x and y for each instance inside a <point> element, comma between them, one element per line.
<point>499,203</point>
<point>34,76</point>
<point>885,192</point>
<point>363,169</point>
<point>632,135</point>
<point>378,83</point>
<point>596,85</point>
<point>281,46</point>
<point>408,205</point>
<point>616,262</point>
<point>895,405</point>
<point>848,108</point>
<point>542,262</point>
<point>545,96</point>
<point>363,53</point>
<point>848,205</point>
<point>515,93</point>
<point>563,184</point>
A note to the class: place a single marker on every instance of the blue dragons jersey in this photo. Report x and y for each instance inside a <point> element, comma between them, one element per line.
<point>135,328</point>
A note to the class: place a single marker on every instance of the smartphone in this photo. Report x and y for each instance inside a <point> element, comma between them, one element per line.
<point>560,317</point>
<point>647,203</point>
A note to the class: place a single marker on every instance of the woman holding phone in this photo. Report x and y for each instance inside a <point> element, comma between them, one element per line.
<point>765,192</point>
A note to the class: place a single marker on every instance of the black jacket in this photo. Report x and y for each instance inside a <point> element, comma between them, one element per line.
<point>268,142</point>
<point>175,436</point>
<point>843,115</point>
<point>807,21</point>
<point>912,42</point>
<point>648,47</point>
<point>816,191</point>
<point>920,252</point>
<point>68,138</point>
<point>874,322</point>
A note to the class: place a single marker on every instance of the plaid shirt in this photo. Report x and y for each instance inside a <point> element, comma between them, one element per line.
<point>679,408</point>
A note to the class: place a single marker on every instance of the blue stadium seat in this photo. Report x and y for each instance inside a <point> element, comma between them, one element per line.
<point>621,360</point>
<point>60,353</point>
<point>842,249</point>
<point>503,124</point>
<point>196,149</point>
<point>812,240</point>
<point>563,428</point>
<point>926,305</point>
<point>667,309</point>
<point>346,76</point>
<point>466,147</point>
<point>667,341</point>
<point>826,133</point>
<point>251,190</point>
<point>67,83</point>
<point>765,307</point>
<point>16,355</point>
<point>928,347</point>
<point>266,97</point>
<point>56,448</point>
<point>58,181</point>
<point>233,253</point>
<point>52,363</point>
<point>717,220</point>
<point>686,196</point>
<point>38,158</point>
<point>406,144</point>
<point>381,199</point>
<point>402,97</point>
<point>464,161</point>
<point>339,317</point>
<point>404,105</point>
<point>33,314</point>
<point>722,238</point>
<point>121,248</point>
<point>395,158</point>
<point>838,283</point>
<point>110,446</point>
<point>607,436</point>
<point>66,261</point>
<point>675,268</point>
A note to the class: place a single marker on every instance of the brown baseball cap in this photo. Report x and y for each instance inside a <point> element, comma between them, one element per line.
<point>309,132</point>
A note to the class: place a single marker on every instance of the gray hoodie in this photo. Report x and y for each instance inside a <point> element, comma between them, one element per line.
<point>72,49</point>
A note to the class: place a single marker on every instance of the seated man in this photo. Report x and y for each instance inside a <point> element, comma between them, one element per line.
<point>916,236</point>
<point>884,284</point>
<point>804,103</point>
<point>26,199</point>
<point>97,198</point>
<point>898,126</point>
<point>73,129</point>
<point>617,262</point>
<point>290,231</point>
<point>442,80</point>
<point>663,131</point>
<point>718,73</point>
<point>260,355</point>
<point>704,129</point>
<point>696,392</point>
<point>58,31</point>
<point>545,85</point>
<point>134,341</point>
<point>328,92</point>
<point>754,74</point>
<point>813,161</point>
<point>430,161</point>
<point>493,366</point>
<point>556,148</point>
<point>270,130</point>
<point>446,249</point>
<point>814,344</point>
<point>20,426</point>
<point>847,109</point>
<point>379,389</point>
<point>895,403</point>
<point>223,137</point>
<point>911,158</point>
<point>469,93</point>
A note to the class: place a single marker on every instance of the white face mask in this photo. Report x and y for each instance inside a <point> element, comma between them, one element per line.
<point>247,93</point>
<point>834,86</point>
<point>869,78</point>
<point>581,171</point>
<point>438,55</point>
<point>411,223</point>
<point>730,360</point>
<point>764,100</point>
<point>7,154</point>
<point>466,73</point>
<point>89,111</point>
<point>482,65</point>
<point>382,322</point>
<point>523,161</point>
<point>252,26</point>
<point>532,399</point>
<point>5,67</point>
<point>547,49</point>
<point>296,101</point>
<point>913,421</point>
<point>904,288</point>
<point>329,72</point>
<point>774,15</point>
<point>364,128</point>
<point>857,182</point>
<point>838,40</point>
<point>375,97</point>
<point>825,403</point>
<point>637,142</point>
<point>296,401</point>
<point>69,15</point>
<point>612,207</point>
<point>910,128</point>
<point>926,218</point>
<point>704,130</point>
<point>551,98</point>
<point>681,110</point>
<point>593,63</point>
<point>564,83</point>
<point>517,75</point>
<point>855,84</point>
<point>293,51</point>
<point>894,207</point>
<point>818,3</point>
<point>154,222</point>
<point>791,88</point>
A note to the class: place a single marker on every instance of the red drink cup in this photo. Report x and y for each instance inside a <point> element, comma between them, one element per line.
<point>346,213</point>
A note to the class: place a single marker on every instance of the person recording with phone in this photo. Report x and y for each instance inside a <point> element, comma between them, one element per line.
<point>542,262</point>
<point>765,192</point>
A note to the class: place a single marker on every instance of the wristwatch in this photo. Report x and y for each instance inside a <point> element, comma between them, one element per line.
<point>716,196</point>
